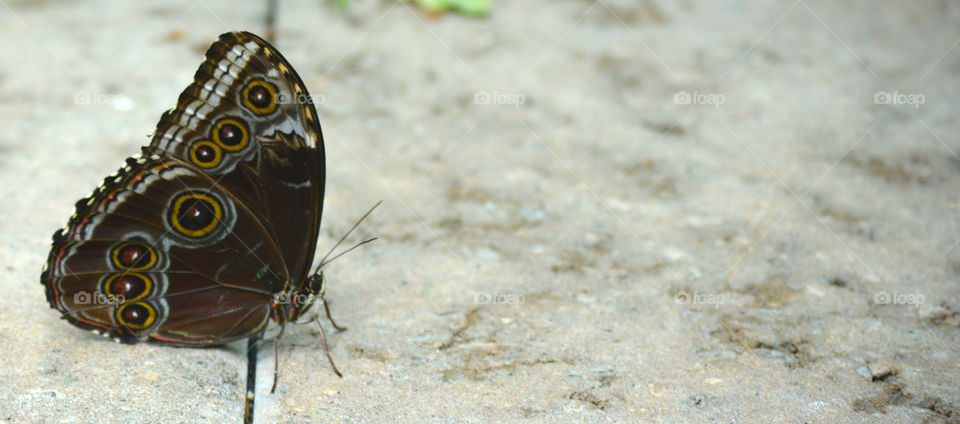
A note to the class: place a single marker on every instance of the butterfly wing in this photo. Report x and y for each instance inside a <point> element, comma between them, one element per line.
<point>248,121</point>
<point>158,234</point>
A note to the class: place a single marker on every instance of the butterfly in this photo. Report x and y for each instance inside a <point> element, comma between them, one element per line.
<point>209,233</point>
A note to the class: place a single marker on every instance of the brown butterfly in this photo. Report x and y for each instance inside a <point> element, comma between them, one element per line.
<point>210,233</point>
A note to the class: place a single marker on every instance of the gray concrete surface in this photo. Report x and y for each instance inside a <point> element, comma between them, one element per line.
<point>693,211</point>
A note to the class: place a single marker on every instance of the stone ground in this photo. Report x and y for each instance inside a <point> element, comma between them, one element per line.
<point>593,211</point>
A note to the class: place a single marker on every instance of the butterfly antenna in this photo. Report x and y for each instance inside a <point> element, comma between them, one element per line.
<point>324,261</point>
<point>347,251</point>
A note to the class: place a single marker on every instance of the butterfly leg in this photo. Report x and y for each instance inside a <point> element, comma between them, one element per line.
<point>326,350</point>
<point>276,358</point>
<point>326,308</point>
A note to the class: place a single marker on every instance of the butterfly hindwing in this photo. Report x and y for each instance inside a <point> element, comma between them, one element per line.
<point>152,254</point>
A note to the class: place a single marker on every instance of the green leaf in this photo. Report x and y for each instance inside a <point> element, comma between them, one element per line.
<point>471,8</point>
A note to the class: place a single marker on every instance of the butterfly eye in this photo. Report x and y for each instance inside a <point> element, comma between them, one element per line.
<point>136,316</point>
<point>205,154</point>
<point>127,287</point>
<point>195,214</point>
<point>260,97</point>
<point>133,256</point>
<point>230,134</point>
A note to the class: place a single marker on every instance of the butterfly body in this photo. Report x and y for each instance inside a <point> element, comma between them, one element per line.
<point>209,234</point>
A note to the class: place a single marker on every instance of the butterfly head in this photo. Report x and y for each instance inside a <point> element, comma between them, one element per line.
<point>294,303</point>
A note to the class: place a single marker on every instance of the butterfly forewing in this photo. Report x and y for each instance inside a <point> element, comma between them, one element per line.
<point>248,121</point>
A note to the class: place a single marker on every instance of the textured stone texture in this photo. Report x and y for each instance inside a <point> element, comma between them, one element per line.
<point>600,251</point>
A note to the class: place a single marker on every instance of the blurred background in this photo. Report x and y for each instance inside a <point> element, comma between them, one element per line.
<point>602,210</point>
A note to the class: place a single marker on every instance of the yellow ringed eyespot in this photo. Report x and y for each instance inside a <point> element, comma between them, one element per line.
<point>195,214</point>
<point>133,256</point>
<point>136,316</point>
<point>127,287</point>
<point>205,154</point>
<point>230,134</point>
<point>260,97</point>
